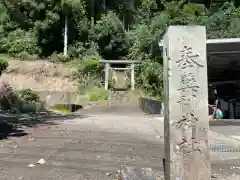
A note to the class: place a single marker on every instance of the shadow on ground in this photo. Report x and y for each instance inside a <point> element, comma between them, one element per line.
<point>225,122</point>
<point>11,124</point>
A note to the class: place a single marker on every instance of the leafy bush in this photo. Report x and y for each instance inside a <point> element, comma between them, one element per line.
<point>28,107</point>
<point>87,81</point>
<point>89,72</point>
<point>23,101</point>
<point>57,58</point>
<point>20,41</point>
<point>26,56</point>
<point>110,36</point>
<point>76,49</point>
<point>28,95</point>
<point>28,102</point>
<point>3,65</point>
<point>81,50</point>
<point>8,97</point>
<point>23,55</point>
<point>92,66</point>
<point>150,77</point>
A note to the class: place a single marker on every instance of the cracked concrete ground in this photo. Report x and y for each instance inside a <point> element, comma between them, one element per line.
<point>93,147</point>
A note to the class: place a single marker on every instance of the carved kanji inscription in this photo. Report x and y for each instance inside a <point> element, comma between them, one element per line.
<point>188,59</point>
<point>188,90</point>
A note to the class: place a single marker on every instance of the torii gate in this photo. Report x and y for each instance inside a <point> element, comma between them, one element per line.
<point>107,64</point>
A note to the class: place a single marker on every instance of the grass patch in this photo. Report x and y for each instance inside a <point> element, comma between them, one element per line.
<point>60,109</point>
<point>98,95</point>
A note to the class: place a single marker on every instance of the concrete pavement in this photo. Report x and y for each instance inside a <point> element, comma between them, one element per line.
<point>93,147</point>
<point>218,135</point>
<point>224,150</point>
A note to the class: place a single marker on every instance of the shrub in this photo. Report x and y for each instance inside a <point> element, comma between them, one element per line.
<point>28,95</point>
<point>7,96</point>
<point>20,41</point>
<point>80,50</point>
<point>89,72</point>
<point>26,56</point>
<point>3,65</point>
<point>149,76</point>
<point>23,101</point>
<point>23,55</point>
<point>27,102</point>
<point>57,58</point>
<point>92,66</point>
<point>76,49</point>
<point>110,36</point>
<point>33,57</point>
<point>28,107</point>
<point>88,81</point>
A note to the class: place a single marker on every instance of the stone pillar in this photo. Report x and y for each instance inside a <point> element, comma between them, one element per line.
<point>186,104</point>
<point>106,75</point>
<point>132,76</point>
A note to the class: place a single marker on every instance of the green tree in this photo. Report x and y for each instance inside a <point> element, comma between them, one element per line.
<point>145,36</point>
<point>111,29</point>
<point>110,35</point>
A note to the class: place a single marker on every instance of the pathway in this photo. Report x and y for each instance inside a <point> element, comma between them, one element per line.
<point>95,147</point>
<point>92,148</point>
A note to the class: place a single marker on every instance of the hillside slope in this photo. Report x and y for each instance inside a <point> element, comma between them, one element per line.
<point>39,75</point>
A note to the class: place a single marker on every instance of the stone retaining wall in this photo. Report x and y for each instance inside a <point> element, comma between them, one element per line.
<point>150,106</point>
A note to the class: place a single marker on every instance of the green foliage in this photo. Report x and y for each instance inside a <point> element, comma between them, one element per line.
<point>97,94</point>
<point>26,56</point>
<point>81,50</point>
<point>28,95</point>
<point>91,66</point>
<point>23,55</point>
<point>20,41</point>
<point>27,102</point>
<point>89,72</point>
<point>150,77</point>
<point>76,49</point>
<point>112,30</point>
<point>59,57</point>
<point>7,96</point>
<point>3,65</point>
<point>23,101</point>
<point>223,23</point>
<point>28,107</point>
<point>110,36</point>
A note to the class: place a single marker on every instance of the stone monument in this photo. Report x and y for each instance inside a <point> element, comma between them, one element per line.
<point>186,104</point>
